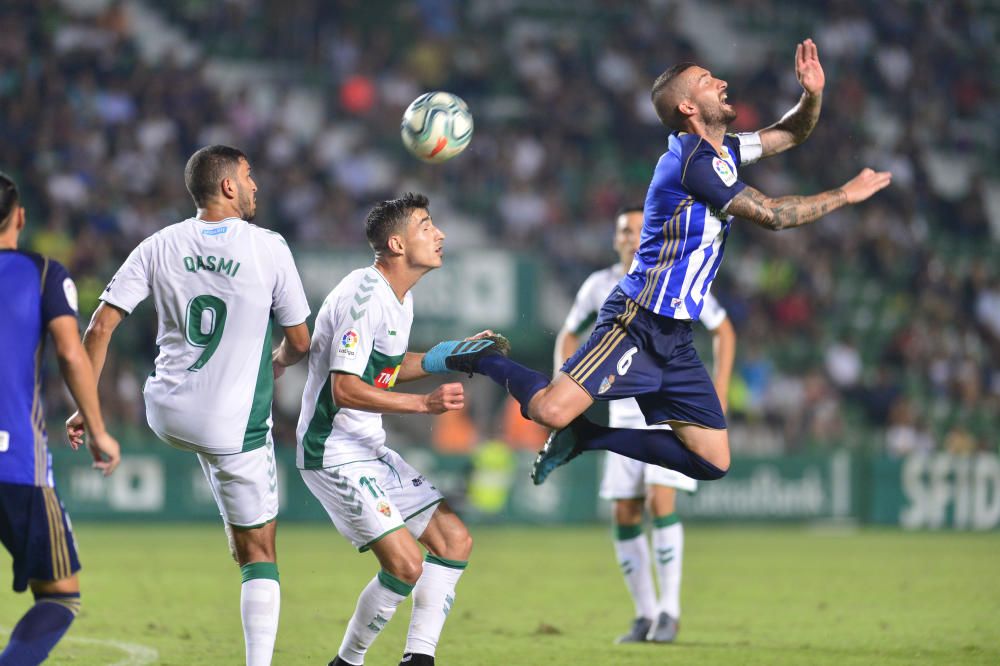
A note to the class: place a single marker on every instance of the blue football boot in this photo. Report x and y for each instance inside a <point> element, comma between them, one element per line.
<point>462,355</point>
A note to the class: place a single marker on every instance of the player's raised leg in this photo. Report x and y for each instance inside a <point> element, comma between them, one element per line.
<point>448,544</point>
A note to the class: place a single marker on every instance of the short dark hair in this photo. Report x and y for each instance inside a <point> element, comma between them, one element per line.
<point>631,207</point>
<point>388,216</point>
<point>9,199</point>
<point>207,168</point>
<point>665,105</point>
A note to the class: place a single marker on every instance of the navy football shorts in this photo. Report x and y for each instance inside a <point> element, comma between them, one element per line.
<point>35,530</point>
<point>634,353</point>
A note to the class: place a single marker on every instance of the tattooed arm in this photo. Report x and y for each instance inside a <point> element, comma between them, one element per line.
<point>794,211</point>
<point>796,125</point>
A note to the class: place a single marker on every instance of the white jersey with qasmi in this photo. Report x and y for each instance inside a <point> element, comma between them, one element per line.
<point>218,287</point>
<point>624,413</point>
<point>361,329</point>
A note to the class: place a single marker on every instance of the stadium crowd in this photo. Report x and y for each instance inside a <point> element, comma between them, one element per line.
<point>877,327</point>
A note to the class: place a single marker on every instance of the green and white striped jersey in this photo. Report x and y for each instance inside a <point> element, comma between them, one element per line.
<point>216,286</point>
<point>361,329</point>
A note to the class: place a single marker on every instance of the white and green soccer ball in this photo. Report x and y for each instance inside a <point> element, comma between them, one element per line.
<point>436,126</point>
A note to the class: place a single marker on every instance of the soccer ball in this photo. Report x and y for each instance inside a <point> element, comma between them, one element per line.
<point>436,126</point>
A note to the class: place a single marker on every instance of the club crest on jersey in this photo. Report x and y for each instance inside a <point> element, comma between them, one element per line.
<point>347,344</point>
<point>606,384</point>
<point>386,378</point>
<point>725,172</point>
<point>384,508</point>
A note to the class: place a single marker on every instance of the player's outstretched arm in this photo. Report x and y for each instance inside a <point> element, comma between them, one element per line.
<point>411,368</point>
<point>796,125</point>
<point>293,348</point>
<point>794,211</point>
<point>79,376</point>
<point>351,392</point>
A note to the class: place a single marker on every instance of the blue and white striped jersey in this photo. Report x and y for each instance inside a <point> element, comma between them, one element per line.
<point>685,227</point>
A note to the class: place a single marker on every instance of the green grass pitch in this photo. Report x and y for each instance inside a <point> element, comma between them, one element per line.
<point>552,596</point>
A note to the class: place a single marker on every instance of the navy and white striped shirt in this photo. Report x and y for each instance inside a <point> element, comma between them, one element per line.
<point>685,227</point>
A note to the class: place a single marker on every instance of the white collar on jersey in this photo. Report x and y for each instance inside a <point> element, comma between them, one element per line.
<point>225,219</point>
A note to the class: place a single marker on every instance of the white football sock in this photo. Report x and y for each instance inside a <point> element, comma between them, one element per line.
<point>668,542</point>
<point>260,605</point>
<point>433,598</point>
<point>632,552</point>
<point>376,606</point>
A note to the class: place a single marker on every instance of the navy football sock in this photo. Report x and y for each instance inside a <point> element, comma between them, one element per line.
<point>40,629</point>
<point>658,447</point>
<point>522,383</point>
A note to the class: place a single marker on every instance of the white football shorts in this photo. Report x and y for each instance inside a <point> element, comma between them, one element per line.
<point>369,499</point>
<point>245,485</point>
<point>625,478</point>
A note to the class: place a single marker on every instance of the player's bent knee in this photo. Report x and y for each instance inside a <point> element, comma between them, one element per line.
<point>550,415</point>
<point>68,585</point>
<point>717,467</point>
<point>628,512</point>
<point>407,570</point>
<point>461,547</point>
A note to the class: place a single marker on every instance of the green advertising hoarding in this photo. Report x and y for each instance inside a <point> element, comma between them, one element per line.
<point>492,485</point>
<point>936,491</point>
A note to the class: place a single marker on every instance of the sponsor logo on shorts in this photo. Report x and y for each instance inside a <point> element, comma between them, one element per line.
<point>417,482</point>
<point>384,508</point>
<point>606,384</point>
<point>347,344</point>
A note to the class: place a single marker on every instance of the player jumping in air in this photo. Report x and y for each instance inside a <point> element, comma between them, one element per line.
<point>641,346</point>
<point>358,355</point>
<point>39,297</point>
<point>627,482</point>
<point>218,284</point>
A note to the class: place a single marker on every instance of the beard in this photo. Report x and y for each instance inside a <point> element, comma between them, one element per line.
<point>719,115</point>
<point>248,205</point>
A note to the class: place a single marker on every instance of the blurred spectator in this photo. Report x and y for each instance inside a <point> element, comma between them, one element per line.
<point>906,434</point>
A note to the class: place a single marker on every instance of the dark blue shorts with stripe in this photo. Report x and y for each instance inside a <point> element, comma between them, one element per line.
<point>36,531</point>
<point>634,353</point>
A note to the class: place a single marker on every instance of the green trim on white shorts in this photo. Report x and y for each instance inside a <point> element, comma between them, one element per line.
<point>350,462</point>
<point>368,545</point>
<point>252,527</point>
<point>421,510</point>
